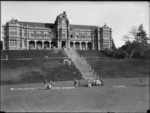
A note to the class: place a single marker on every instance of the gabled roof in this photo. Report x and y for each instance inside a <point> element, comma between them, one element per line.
<point>13,21</point>
<point>82,26</point>
<point>37,24</point>
<point>105,26</point>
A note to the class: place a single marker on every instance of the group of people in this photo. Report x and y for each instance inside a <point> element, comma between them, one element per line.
<point>96,82</point>
<point>48,84</point>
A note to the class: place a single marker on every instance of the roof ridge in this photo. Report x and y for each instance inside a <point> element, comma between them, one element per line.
<point>52,24</point>
<point>83,25</point>
<point>34,22</point>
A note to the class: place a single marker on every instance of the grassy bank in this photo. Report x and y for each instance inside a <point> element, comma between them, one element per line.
<point>91,53</point>
<point>31,71</point>
<point>15,54</point>
<point>115,68</point>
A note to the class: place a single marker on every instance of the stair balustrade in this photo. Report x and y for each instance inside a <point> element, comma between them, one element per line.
<point>80,62</point>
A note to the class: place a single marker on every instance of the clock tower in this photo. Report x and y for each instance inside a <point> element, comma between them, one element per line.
<point>62,28</point>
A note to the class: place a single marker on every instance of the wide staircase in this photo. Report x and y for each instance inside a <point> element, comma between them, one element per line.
<point>82,65</point>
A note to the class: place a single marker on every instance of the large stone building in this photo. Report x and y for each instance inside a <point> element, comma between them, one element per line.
<point>19,35</point>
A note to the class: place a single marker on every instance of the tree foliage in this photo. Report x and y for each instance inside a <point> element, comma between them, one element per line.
<point>135,46</point>
<point>141,35</point>
<point>131,35</point>
<point>113,45</point>
<point>139,45</point>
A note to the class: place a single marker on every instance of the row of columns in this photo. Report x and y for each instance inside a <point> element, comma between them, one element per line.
<point>35,43</point>
<point>68,44</point>
<point>80,45</point>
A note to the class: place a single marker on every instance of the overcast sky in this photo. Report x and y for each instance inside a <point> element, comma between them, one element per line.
<point>120,16</point>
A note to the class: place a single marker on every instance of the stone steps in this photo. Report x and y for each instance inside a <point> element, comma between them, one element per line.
<point>82,65</point>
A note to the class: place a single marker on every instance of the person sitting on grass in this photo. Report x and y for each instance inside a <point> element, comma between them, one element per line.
<point>99,82</point>
<point>47,85</point>
<point>75,82</point>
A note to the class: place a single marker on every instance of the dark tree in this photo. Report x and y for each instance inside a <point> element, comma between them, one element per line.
<point>1,45</point>
<point>139,46</point>
<point>141,35</point>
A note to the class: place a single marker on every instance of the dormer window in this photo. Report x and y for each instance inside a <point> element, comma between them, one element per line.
<point>71,36</point>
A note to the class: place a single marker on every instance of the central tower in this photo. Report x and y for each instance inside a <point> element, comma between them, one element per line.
<point>62,29</point>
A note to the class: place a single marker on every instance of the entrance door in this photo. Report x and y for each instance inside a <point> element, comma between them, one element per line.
<point>63,44</point>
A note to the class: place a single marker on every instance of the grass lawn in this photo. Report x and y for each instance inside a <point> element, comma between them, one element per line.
<point>133,97</point>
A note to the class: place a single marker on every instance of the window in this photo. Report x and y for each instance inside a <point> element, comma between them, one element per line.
<point>46,34</point>
<point>34,33</point>
<point>71,36</point>
<point>13,31</point>
<point>38,34</point>
<point>13,43</point>
<point>106,44</point>
<point>42,34</point>
<point>24,33</point>
<point>20,31</point>
<point>49,34</point>
<point>10,31</point>
<point>24,43</point>
<point>79,35</point>
<point>63,34</point>
<point>31,34</point>
<point>63,21</point>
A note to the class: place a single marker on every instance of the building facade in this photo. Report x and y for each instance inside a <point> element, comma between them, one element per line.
<point>19,35</point>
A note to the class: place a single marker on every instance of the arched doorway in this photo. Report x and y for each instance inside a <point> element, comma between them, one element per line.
<point>39,45</point>
<point>31,45</point>
<point>63,44</point>
<point>46,45</point>
<point>83,46</point>
<point>89,46</point>
<point>71,45</point>
<point>53,44</point>
<point>77,45</point>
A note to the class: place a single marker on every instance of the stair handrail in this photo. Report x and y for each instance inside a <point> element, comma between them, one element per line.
<point>94,74</point>
<point>89,66</point>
